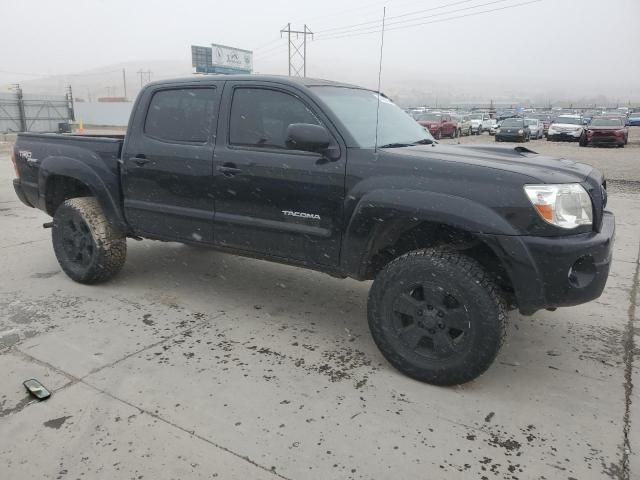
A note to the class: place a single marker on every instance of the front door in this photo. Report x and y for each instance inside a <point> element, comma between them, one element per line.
<point>271,200</point>
<point>168,162</point>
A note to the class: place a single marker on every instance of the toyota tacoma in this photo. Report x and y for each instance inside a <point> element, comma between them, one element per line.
<point>335,178</point>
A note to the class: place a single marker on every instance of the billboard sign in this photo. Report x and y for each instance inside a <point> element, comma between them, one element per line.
<point>221,59</point>
<point>229,57</point>
<point>201,56</point>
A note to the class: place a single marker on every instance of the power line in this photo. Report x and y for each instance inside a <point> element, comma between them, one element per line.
<point>270,50</point>
<point>281,49</point>
<point>349,10</point>
<point>409,20</point>
<point>395,16</point>
<point>441,20</point>
<point>272,42</point>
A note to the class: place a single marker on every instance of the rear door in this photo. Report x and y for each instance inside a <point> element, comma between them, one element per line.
<point>271,200</point>
<point>168,162</point>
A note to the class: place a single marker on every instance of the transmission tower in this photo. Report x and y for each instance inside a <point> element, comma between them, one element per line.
<point>297,49</point>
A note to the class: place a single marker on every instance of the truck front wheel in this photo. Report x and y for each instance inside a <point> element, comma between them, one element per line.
<point>437,316</point>
<point>88,248</point>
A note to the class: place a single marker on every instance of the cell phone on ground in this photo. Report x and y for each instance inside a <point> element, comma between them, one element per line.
<point>35,388</point>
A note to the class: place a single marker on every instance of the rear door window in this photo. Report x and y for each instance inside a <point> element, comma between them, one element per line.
<point>181,115</point>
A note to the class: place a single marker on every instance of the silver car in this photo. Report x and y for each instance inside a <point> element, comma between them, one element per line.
<point>536,127</point>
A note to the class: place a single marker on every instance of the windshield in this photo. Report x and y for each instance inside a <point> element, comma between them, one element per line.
<point>531,121</point>
<point>429,117</point>
<point>569,120</point>
<point>476,116</point>
<point>606,122</point>
<point>357,109</point>
<point>512,122</point>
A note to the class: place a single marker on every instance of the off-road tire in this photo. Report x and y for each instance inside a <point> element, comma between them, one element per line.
<point>106,247</point>
<point>484,309</point>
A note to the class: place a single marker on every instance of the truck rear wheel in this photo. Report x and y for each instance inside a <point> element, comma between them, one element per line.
<point>437,316</point>
<point>88,248</point>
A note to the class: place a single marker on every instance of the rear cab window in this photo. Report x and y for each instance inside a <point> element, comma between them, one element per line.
<point>181,115</point>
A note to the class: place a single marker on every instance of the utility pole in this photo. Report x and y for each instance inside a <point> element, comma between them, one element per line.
<point>144,75</point>
<point>124,83</point>
<point>70,110</point>
<point>297,40</point>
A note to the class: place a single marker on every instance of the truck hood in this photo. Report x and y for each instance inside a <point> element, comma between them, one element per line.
<point>568,126</point>
<point>518,160</point>
<point>605,128</point>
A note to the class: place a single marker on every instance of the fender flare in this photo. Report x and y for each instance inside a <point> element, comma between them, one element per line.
<point>382,216</point>
<point>103,183</point>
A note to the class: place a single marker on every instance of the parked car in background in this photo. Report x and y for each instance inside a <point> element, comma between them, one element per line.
<point>535,127</point>
<point>464,124</point>
<point>566,127</point>
<point>513,130</point>
<point>487,123</point>
<point>545,119</point>
<point>605,131</point>
<point>506,114</point>
<point>439,124</point>
<point>634,119</point>
<point>477,120</point>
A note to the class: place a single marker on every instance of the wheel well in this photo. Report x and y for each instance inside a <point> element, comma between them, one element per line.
<point>436,235</point>
<point>60,188</point>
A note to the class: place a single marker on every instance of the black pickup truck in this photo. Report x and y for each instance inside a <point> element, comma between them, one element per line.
<point>335,178</point>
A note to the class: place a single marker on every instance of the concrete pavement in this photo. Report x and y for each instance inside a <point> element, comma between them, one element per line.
<point>197,364</point>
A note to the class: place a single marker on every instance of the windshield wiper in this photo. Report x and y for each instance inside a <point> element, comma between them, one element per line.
<point>395,145</point>
<point>424,141</point>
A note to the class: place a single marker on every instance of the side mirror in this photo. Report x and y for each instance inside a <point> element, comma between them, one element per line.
<point>307,137</point>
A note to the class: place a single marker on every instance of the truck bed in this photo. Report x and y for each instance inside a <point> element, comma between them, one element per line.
<point>34,151</point>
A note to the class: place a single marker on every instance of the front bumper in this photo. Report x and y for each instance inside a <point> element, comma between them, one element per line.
<point>555,135</point>
<point>605,140</point>
<point>550,272</point>
<point>510,137</point>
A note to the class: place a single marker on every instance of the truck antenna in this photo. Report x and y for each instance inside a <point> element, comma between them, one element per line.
<point>384,14</point>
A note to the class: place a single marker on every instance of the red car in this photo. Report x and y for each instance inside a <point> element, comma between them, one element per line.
<point>439,124</point>
<point>605,131</point>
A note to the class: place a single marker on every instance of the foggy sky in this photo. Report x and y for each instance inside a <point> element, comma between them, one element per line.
<point>549,49</point>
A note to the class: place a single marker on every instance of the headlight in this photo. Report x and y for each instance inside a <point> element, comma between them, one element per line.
<point>521,131</point>
<point>563,205</point>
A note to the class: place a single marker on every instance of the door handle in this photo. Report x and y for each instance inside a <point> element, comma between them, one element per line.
<point>140,160</point>
<point>228,169</point>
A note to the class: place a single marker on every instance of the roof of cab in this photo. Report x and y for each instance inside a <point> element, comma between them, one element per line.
<point>282,79</point>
